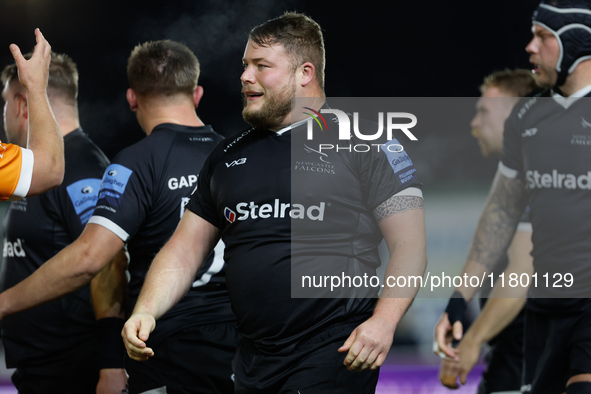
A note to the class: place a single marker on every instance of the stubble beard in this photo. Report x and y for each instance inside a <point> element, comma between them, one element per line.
<point>273,111</point>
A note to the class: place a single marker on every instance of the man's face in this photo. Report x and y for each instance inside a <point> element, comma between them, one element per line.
<point>543,52</point>
<point>492,109</point>
<point>268,85</point>
<point>13,124</point>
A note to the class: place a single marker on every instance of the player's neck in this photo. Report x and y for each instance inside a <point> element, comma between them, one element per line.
<point>68,126</point>
<point>66,116</point>
<point>578,79</point>
<point>311,102</point>
<point>181,115</point>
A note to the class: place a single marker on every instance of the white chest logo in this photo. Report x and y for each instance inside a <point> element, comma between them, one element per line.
<point>529,132</point>
<point>14,249</point>
<point>236,162</point>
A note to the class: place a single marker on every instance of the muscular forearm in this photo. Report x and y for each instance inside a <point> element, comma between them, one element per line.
<point>109,287</point>
<point>405,237</point>
<point>168,280</point>
<point>70,269</point>
<point>496,315</point>
<point>401,220</point>
<point>408,260</point>
<point>505,301</point>
<point>395,301</point>
<point>108,290</point>
<point>45,137</point>
<point>46,142</point>
<point>495,229</point>
<point>175,266</point>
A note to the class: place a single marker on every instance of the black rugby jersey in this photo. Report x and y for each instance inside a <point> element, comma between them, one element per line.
<point>142,198</point>
<point>275,196</point>
<point>37,228</point>
<point>547,143</point>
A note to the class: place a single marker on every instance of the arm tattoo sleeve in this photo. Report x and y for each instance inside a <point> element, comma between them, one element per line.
<point>397,204</point>
<point>497,224</point>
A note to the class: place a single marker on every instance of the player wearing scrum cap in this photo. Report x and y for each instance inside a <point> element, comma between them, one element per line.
<point>500,92</point>
<point>555,186</point>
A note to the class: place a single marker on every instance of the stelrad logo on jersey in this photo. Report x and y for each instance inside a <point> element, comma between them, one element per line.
<point>556,180</point>
<point>277,210</point>
<point>14,249</point>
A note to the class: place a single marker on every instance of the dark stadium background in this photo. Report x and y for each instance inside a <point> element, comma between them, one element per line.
<point>421,48</point>
<point>406,48</point>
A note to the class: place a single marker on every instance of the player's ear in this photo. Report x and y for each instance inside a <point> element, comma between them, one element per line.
<point>23,109</point>
<point>306,73</point>
<point>197,94</point>
<point>131,99</point>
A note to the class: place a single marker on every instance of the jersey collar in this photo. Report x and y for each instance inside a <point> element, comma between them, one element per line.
<point>568,101</point>
<point>181,128</point>
<point>297,124</point>
<point>287,128</point>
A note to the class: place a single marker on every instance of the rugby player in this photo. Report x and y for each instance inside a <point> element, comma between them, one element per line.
<point>557,329</point>
<point>141,200</point>
<point>38,165</point>
<point>500,92</point>
<point>291,344</point>
<point>53,346</point>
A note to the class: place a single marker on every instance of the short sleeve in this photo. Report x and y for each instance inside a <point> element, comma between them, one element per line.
<point>72,203</point>
<point>525,221</point>
<point>201,202</point>
<point>16,171</point>
<point>386,172</point>
<point>82,197</point>
<point>511,164</point>
<point>123,200</point>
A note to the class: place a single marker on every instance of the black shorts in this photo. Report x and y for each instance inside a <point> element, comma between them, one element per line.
<point>73,370</point>
<point>504,363</point>
<point>196,359</point>
<point>28,381</point>
<point>557,347</point>
<point>314,366</point>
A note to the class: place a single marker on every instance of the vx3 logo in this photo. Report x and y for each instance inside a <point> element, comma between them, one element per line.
<point>236,162</point>
<point>345,124</point>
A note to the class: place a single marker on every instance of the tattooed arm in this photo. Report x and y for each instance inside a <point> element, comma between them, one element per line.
<point>504,206</point>
<point>402,222</point>
<point>503,306</point>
